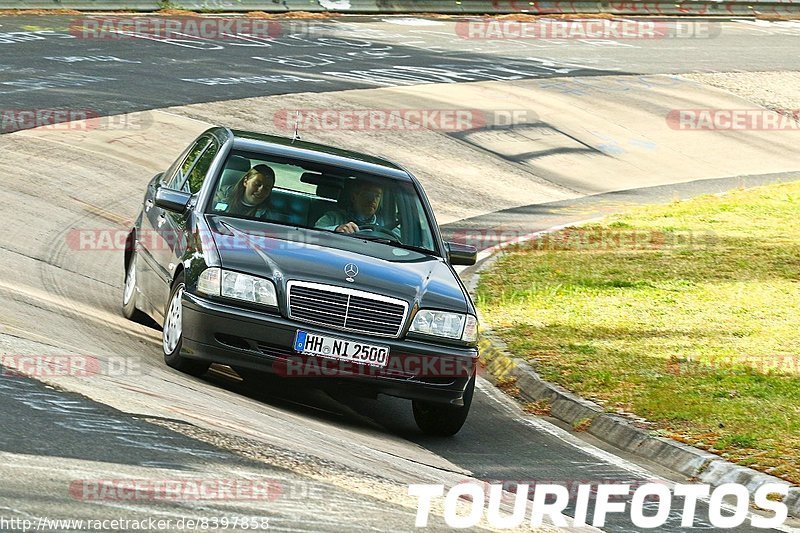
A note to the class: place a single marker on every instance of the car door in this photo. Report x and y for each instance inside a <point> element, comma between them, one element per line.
<point>167,230</point>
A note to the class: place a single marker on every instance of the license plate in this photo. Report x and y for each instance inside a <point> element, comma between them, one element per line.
<point>333,348</point>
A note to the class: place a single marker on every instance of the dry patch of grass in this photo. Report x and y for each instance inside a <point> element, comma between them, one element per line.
<point>527,17</point>
<point>768,16</point>
<point>539,408</point>
<point>172,12</point>
<point>686,314</point>
<point>508,385</point>
<point>14,12</point>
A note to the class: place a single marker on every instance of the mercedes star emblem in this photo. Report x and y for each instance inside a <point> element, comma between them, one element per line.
<point>351,270</point>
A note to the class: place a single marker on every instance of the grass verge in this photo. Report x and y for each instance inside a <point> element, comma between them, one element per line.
<point>686,314</point>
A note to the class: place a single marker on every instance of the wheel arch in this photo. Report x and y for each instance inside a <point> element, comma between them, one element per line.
<point>178,271</point>
<point>130,246</point>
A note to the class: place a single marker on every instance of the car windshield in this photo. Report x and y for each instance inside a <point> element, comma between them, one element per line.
<point>303,194</point>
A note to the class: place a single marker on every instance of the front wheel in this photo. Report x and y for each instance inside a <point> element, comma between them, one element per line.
<point>172,337</point>
<point>442,420</point>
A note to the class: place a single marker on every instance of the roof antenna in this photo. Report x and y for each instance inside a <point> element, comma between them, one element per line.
<point>296,136</point>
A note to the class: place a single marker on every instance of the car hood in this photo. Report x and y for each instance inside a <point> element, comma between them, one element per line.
<point>285,253</point>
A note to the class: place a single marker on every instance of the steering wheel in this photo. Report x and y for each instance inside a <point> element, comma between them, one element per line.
<point>377,228</point>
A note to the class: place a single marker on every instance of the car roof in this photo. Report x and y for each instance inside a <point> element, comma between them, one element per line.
<point>318,153</point>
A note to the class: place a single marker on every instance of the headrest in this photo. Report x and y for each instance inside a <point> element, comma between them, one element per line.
<point>329,190</point>
<point>315,178</point>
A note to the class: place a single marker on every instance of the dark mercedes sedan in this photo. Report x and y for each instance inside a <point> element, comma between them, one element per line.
<point>271,254</point>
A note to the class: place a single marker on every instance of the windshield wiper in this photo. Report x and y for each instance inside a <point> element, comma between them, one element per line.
<point>396,243</point>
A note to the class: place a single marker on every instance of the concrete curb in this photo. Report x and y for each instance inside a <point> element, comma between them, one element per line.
<point>618,431</point>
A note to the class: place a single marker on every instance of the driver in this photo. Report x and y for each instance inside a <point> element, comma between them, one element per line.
<point>364,200</point>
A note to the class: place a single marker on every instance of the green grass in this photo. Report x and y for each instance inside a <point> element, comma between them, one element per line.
<point>686,314</point>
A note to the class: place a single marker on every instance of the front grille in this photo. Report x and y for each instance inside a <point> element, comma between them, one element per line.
<point>346,309</point>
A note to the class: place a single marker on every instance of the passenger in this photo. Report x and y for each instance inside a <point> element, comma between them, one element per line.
<point>361,207</point>
<point>248,197</point>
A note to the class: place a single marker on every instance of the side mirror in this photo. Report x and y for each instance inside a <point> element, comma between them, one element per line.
<point>461,254</point>
<point>172,200</point>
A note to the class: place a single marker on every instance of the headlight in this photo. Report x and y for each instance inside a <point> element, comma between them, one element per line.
<point>218,282</point>
<point>444,324</point>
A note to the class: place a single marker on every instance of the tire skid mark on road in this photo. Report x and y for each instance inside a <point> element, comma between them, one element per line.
<point>48,286</point>
<point>109,143</point>
<point>143,391</point>
<point>62,268</point>
<point>74,146</point>
<point>182,117</point>
<point>104,213</point>
<point>244,428</point>
<point>7,329</point>
<point>104,318</point>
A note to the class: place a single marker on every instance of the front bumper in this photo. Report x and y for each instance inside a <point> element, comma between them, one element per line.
<point>258,340</point>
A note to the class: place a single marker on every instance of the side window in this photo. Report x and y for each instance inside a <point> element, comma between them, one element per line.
<point>176,180</point>
<point>197,174</point>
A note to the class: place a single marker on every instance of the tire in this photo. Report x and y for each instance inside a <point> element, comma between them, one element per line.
<point>129,291</point>
<point>440,420</point>
<point>172,334</point>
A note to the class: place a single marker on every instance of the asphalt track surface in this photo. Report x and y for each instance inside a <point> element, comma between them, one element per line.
<point>42,66</point>
<point>45,64</point>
